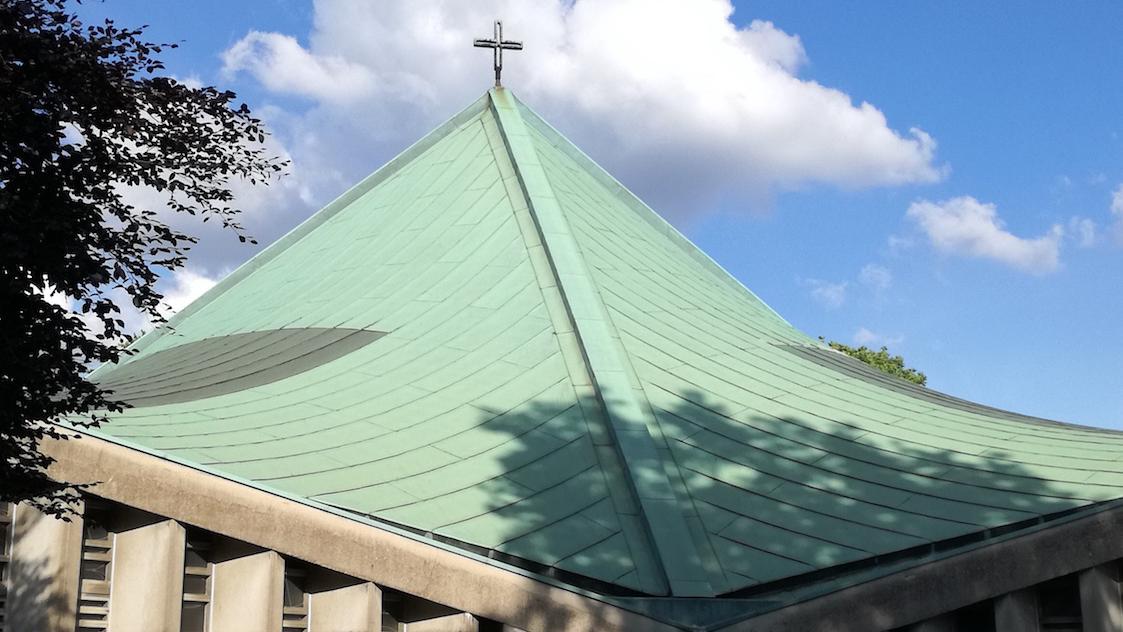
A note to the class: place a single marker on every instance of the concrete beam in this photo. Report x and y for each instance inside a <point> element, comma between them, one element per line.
<point>1101,608</point>
<point>460,622</point>
<point>343,544</point>
<point>146,593</point>
<point>459,579</point>
<point>943,584</point>
<point>247,593</point>
<point>942,623</point>
<point>43,575</point>
<point>1017,612</point>
<point>356,608</point>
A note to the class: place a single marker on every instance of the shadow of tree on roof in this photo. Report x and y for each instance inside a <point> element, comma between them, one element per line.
<point>775,504</point>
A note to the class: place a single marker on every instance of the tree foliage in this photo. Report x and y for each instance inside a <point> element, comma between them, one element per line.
<point>85,116</point>
<point>881,360</point>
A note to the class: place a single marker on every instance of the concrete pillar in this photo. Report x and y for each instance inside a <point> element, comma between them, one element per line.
<point>942,623</point>
<point>460,622</point>
<point>146,592</point>
<point>43,574</point>
<point>356,608</point>
<point>1100,606</point>
<point>247,593</point>
<point>1017,612</point>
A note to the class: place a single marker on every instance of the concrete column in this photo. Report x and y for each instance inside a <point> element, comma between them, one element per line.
<point>1100,606</point>
<point>356,608</point>
<point>1017,612</point>
<point>460,622</point>
<point>247,593</point>
<point>942,623</point>
<point>43,574</point>
<point>146,592</point>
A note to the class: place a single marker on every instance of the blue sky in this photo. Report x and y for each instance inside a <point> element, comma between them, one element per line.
<point>1025,104</point>
<point>992,283</point>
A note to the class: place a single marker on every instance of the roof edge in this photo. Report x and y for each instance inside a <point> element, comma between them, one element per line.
<point>88,455</point>
<point>616,389</point>
<point>316,219</point>
<point>645,212</point>
<point>1070,538</point>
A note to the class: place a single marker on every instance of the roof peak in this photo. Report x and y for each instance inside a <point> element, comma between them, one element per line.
<point>564,379</point>
<point>614,384</point>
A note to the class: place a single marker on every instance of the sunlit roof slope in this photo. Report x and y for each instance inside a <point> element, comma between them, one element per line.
<point>492,342</point>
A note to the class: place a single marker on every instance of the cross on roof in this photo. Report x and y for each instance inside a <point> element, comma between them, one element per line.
<point>497,44</point>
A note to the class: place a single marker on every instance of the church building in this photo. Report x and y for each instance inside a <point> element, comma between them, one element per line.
<point>489,389</point>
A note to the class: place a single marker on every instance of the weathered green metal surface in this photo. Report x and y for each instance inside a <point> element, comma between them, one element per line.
<point>228,364</point>
<point>561,377</point>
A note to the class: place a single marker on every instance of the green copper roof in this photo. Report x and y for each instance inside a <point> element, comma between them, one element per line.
<point>491,341</point>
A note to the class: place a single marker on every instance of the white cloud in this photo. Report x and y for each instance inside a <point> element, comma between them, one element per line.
<point>1117,212</point>
<point>57,298</point>
<point>964,226</point>
<point>899,243</point>
<point>268,211</point>
<point>877,278</point>
<point>191,81</point>
<point>829,295</point>
<point>669,94</point>
<point>1083,231</point>
<point>865,337</point>
<point>281,64</point>
<point>185,286</point>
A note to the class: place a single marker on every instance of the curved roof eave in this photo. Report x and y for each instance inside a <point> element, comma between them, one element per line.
<point>559,376</point>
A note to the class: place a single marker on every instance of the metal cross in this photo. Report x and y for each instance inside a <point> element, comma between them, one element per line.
<point>497,45</point>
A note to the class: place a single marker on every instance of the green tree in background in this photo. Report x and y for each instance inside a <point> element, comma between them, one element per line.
<point>881,360</point>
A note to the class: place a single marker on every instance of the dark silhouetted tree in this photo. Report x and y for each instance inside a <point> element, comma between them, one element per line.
<point>86,113</point>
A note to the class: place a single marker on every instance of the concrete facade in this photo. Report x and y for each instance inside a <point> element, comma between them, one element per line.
<point>1017,612</point>
<point>43,576</point>
<point>1100,601</point>
<point>942,623</point>
<point>461,622</point>
<point>943,585</point>
<point>342,544</point>
<point>355,608</point>
<point>247,593</point>
<point>248,583</point>
<point>147,579</point>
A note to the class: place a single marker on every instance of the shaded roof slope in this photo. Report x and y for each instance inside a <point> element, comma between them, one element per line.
<point>492,341</point>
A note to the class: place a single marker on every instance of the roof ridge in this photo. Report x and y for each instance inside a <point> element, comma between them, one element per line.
<point>615,386</point>
<point>641,208</point>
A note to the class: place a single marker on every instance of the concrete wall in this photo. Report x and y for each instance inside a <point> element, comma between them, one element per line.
<point>466,583</point>
<point>147,584</point>
<point>1100,603</point>
<point>346,545</point>
<point>355,608</point>
<point>942,623</point>
<point>247,593</point>
<point>461,622</point>
<point>1017,612</point>
<point>43,575</point>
